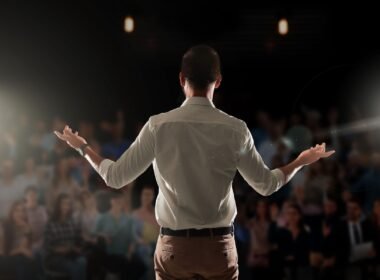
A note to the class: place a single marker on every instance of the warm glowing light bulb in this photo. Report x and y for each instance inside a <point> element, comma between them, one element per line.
<point>283,26</point>
<point>129,24</point>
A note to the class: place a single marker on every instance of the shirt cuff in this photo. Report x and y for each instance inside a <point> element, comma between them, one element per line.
<point>103,168</point>
<point>280,177</point>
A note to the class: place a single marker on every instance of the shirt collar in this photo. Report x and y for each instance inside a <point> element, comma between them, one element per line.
<point>198,100</point>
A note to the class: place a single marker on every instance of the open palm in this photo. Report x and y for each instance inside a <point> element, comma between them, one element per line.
<point>71,138</point>
<point>314,153</point>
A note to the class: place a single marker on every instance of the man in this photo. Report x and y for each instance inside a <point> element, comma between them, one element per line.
<point>354,231</point>
<point>196,150</point>
<point>119,231</point>
<point>10,190</point>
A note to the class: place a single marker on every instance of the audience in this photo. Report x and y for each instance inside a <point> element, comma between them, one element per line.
<point>10,191</point>
<point>57,217</point>
<point>375,221</point>
<point>258,257</point>
<point>355,245</point>
<point>18,244</point>
<point>119,231</point>
<point>87,217</point>
<point>62,182</point>
<point>37,217</point>
<point>147,228</point>
<point>293,242</point>
<point>63,241</point>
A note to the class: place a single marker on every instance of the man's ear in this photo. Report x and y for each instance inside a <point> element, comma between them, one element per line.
<point>182,79</point>
<point>218,81</point>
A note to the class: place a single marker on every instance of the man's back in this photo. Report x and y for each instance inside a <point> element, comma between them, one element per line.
<point>196,150</point>
<point>196,154</point>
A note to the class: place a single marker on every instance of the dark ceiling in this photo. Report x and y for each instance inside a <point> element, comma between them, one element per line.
<point>73,58</point>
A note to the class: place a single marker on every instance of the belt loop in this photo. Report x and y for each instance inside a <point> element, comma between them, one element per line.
<point>161,234</point>
<point>232,229</point>
<point>187,233</point>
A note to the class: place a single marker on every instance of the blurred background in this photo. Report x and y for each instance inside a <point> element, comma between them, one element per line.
<point>298,74</point>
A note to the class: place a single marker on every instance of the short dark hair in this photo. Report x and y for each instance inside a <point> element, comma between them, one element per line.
<point>56,214</point>
<point>114,194</point>
<point>30,188</point>
<point>201,66</point>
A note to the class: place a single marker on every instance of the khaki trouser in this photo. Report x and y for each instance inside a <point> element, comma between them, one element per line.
<point>209,257</point>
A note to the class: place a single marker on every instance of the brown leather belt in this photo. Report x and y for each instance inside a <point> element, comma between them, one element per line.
<point>198,232</point>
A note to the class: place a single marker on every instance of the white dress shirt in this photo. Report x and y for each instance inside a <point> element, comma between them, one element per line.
<point>351,229</point>
<point>196,150</point>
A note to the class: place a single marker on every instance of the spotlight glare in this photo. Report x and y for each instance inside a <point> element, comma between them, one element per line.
<point>283,26</point>
<point>129,24</point>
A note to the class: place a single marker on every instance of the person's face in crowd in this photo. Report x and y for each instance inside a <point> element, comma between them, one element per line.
<point>7,169</point>
<point>19,214</point>
<point>353,211</point>
<point>346,196</point>
<point>274,211</point>
<point>40,126</point>
<point>62,167</point>
<point>263,119</point>
<point>277,129</point>
<point>147,196</point>
<point>262,209</point>
<point>376,160</point>
<point>118,131</point>
<point>31,198</point>
<point>376,208</point>
<point>117,203</point>
<point>293,217</point>
<point>295,119</point>
<point>29,165</point>
<point>285,206</point>
<point>330,208</point>
<point>86,129</point>
<point>58,124</point>
<point>89,201</point>
<point>66,207</point>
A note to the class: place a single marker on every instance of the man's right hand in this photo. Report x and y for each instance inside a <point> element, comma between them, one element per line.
<point>305,158</point>
<point>313,154</point>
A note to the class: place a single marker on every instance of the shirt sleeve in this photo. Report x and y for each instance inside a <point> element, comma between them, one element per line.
<point>253,169</point>
<point>132,163</point>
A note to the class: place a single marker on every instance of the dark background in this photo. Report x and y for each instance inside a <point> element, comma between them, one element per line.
<point>73,58</point>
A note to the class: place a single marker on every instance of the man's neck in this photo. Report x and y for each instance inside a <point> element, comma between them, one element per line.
<point>201,95</point>
<point>209,93</point>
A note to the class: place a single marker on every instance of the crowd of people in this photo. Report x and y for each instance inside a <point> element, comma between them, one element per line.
<point>59,219</point>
